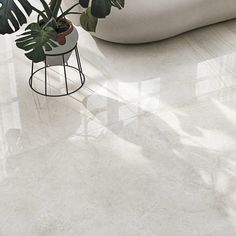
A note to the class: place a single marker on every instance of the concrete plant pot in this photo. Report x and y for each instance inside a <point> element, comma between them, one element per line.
<point>66,42</point>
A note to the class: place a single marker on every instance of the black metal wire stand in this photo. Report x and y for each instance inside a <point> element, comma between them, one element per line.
<point>65,65</point>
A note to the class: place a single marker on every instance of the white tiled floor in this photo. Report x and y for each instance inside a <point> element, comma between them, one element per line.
<point>147,147</point>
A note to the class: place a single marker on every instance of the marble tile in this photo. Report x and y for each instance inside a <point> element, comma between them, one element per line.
<point>132,177</point>
<point>147,147</point>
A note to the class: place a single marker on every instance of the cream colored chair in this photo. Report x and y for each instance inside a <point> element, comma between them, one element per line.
<point>152,20</point>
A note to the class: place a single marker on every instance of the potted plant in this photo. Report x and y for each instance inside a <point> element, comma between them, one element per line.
<point>52,32</point>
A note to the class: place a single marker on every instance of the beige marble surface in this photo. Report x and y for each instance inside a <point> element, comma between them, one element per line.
<point>146,148</point>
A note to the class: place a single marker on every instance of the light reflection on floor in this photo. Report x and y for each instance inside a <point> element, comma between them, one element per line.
<point>147,147</point>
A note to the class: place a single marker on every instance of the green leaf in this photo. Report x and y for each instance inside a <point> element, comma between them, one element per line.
<point>35,40</point>
<point>7,8</point>
<point>88,21</point>
<point>84,3</point>
<point>101,8</point>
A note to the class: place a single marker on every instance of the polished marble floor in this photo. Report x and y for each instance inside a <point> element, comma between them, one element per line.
<point>146,148</point>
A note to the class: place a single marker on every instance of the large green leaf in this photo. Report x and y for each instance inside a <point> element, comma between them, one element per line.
<point>88,21</point>
<point>35,40</point>
<point>10,12</point>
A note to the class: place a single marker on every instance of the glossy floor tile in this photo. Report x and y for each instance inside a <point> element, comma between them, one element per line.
<point>147,147</point>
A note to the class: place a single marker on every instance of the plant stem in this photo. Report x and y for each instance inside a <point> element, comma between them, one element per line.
<point>40,13</point>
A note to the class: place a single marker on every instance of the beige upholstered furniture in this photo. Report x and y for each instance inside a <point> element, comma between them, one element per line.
<point>151,20</point>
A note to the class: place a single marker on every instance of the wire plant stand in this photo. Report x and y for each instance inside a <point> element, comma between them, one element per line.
<point>66,66</point>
